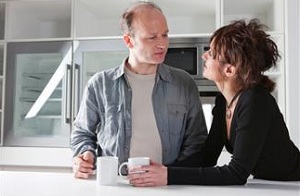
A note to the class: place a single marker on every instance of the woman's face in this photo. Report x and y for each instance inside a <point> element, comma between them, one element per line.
<point>212,69</point>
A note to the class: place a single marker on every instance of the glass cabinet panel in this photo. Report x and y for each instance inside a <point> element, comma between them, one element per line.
<point>37,96</point>
<point>93,56</point>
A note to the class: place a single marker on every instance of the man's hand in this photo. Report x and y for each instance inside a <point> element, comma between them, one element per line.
<point>83,165</point>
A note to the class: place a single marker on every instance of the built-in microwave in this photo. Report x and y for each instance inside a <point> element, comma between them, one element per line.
<point>185,53</point>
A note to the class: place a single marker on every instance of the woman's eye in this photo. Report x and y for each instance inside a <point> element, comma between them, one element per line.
<point>210,52</point>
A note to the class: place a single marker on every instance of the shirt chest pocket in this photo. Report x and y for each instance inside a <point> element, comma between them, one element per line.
<point>176,118</point>
<point>111,115</point>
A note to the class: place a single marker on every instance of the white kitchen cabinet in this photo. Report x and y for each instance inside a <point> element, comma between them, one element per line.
<point>37,109</point>
<point>97,19</point>
<point>190,17</point>
<point>269,12</point>
<point>38,19</point>
<point>90,21</point>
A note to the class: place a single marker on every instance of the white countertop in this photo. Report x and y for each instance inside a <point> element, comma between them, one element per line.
<point>16,183</point>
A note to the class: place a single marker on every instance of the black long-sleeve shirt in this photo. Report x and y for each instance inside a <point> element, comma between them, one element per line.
<point>259,143</point>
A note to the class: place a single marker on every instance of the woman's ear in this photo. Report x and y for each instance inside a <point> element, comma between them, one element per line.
<point>229,70</point>
<point>127,40</point>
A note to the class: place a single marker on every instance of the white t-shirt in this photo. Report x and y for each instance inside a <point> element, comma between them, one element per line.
<point>145,140</point>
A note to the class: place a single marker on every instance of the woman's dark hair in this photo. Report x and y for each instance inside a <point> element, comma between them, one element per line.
<point>249,48</point>
<point>129,13</point>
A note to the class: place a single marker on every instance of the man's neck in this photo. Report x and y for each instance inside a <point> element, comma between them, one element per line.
<point>142,69</point>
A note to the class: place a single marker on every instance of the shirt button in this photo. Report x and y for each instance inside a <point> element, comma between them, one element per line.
<point>126,149</point>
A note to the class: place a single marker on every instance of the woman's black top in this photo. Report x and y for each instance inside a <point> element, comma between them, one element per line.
<point>259,143</point>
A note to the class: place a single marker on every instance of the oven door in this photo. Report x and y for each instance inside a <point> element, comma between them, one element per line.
<point>208,94</point>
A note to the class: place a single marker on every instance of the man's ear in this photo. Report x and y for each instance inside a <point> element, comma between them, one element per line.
<point>127,40</point>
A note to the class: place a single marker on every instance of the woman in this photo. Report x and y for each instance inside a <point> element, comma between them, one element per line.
<point>246,117</point>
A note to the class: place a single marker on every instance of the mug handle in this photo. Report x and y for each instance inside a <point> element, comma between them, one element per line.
<point>120,168</point>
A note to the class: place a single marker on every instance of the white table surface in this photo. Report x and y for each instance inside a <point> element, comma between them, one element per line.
<point>16,183</point>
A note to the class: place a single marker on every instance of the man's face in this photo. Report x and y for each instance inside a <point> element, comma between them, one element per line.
<point>150,41</point>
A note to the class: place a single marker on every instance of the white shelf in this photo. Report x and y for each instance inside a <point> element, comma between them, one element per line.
<point>49,116</point>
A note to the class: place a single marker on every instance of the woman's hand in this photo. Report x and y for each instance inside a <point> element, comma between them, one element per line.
<point>153,175</point>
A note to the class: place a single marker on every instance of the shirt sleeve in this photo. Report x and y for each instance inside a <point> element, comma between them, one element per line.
<point>212,148</point>
<point>83,136</point>
<point>196,131</point>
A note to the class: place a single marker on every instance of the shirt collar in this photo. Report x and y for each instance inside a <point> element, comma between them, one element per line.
<point>120,71</point>
<point>163,71</point>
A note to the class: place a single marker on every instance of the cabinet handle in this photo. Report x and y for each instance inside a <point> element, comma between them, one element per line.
<point>68,91</point>
<point>75,90</point>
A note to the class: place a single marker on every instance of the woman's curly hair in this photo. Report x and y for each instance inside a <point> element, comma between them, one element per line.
<point>249,48</point>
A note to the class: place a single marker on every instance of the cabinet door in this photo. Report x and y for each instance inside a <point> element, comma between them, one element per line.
<point>185,18</point>
<point>2,20</point>
<point>37,93</point>
<point>269,12</point>
<point>93,56</point>
<point>2,48</point>
<point>36,19</point>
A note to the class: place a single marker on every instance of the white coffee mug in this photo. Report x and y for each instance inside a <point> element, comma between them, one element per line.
<point>107,170</point>
<point>134,162</point>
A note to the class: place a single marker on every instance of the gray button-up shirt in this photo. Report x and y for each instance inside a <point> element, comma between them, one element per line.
<point>104,118</point>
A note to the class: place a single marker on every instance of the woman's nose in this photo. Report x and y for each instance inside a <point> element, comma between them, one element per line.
<point>204,55</point>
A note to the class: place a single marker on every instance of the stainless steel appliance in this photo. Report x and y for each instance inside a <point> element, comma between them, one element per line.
<point>186,54</point>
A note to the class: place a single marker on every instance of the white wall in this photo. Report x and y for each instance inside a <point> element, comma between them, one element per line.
<point>292,69</point>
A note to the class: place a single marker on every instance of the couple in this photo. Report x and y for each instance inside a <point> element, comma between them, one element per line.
<point>246,118</point>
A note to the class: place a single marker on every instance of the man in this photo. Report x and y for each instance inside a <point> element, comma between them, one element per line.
<point>143,107</point>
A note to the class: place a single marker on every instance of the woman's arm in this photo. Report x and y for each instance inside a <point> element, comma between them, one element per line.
<point>252,118</point>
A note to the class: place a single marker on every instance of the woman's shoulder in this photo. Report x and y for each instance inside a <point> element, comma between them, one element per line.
<point>257,96</point>
<point>256,93</point>
<point>253,94</point>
